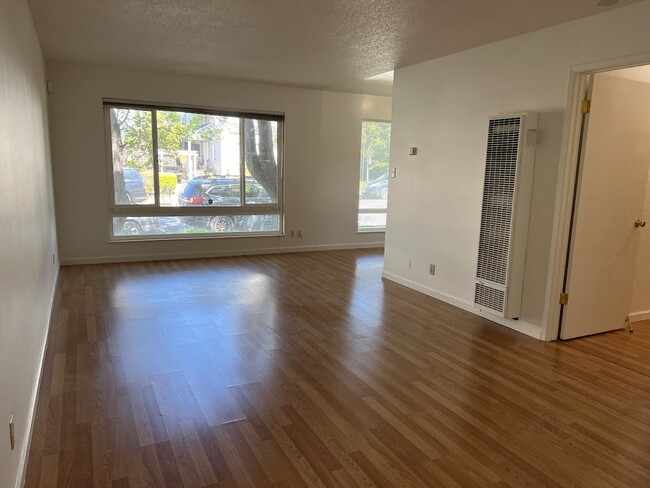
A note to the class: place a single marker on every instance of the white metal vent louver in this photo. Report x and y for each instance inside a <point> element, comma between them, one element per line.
<point>489,297</point>
<point>507,191</point>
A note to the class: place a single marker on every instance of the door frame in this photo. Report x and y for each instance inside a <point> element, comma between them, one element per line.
<point>566,184</point>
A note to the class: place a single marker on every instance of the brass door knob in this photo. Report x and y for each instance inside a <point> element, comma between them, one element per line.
<point>639,223</point>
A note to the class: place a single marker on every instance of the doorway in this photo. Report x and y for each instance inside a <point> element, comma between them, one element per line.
<point>607,275</point>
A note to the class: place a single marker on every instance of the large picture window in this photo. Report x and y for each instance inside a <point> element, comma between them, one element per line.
<point>192,173</point>
<point>373,185</point>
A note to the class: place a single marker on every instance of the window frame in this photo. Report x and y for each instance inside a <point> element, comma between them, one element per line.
<point>372,230</point>
<point>156,210</point>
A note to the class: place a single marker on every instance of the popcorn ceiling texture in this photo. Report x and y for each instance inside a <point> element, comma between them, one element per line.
<point>324,44</point>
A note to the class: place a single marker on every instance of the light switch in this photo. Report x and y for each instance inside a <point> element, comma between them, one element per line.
<point>413,151</point>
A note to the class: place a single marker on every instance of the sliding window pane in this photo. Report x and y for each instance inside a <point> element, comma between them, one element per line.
<point>374,165</point>
<point>372,221</point>
<point>261,158</point>
<point>132,152</point>
<point>192,225</point>
<point>199,158</point>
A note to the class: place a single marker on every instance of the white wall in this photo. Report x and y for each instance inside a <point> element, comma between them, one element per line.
<point>442,106</point>
<point>341,117</point>
<point>322,143</point>
<point>27,237</point>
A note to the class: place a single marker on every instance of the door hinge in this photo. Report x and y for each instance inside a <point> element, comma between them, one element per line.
<point>564,298</point>
<point>585,108</point>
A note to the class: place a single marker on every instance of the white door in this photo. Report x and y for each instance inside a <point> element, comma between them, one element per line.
<point>612,184</point>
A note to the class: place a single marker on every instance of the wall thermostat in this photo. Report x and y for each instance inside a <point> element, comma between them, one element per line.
<point>413,151</point>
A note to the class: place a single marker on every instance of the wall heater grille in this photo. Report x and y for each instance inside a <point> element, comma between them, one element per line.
<point>490,297</point>
<point>507,189</point>
<point>498,194</point>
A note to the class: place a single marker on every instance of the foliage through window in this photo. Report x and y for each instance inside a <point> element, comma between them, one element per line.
<point>373,179</point>
<point>189,173</point>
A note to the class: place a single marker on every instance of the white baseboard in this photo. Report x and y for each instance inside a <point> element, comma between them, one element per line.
<point>518,325</point>
<point>31,414</point>
<point>125,258</point>
<point>639,316</point>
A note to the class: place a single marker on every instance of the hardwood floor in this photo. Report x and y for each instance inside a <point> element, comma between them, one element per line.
<point>308,370</point>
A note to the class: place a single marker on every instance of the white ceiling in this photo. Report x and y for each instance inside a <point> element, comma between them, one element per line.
<point>326,44</point>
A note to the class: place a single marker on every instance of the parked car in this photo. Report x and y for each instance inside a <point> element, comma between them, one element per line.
<point>376,188</point>
<point>223,195</point>
<point>226,195</point>
<point>256,194</point>
<point>134,226</point>
<point>134,186</point>
<point>193,191</point>
<point>223,192</point>
<point>262,223</point>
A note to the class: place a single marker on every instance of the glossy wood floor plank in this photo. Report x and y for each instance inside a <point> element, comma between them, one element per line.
<point>308,370</point>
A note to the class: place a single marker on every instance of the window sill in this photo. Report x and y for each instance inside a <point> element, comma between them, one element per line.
<point>371,231</point>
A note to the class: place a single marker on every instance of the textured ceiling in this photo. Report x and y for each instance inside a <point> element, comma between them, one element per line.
<point>327,44</point>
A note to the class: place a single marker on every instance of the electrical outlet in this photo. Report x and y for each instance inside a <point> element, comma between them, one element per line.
<point>408,264</point>
<point>432,269</point>
<point>292,234</point>
<point>299,234</point>
<point>12,433</point>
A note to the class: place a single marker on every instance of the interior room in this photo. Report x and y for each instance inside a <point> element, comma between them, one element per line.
<point>324,243</point>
